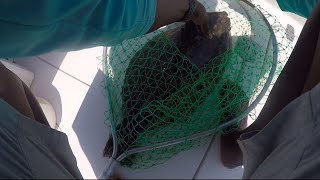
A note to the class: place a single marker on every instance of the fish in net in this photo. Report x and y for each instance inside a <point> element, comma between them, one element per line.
<point>174,83</point>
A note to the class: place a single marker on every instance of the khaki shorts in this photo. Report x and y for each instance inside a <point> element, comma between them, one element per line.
<point>32,150</point>
<point>289,147</point>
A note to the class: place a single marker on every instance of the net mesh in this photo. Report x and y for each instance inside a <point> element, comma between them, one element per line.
<point>157,94</point>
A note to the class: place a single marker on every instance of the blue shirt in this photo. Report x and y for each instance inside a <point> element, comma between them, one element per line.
<point>300,7</point>
<point>38,26</point>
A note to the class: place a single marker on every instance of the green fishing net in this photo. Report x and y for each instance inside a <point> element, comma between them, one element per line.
<point>161,103</point>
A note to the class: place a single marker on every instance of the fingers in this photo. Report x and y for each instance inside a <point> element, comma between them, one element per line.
<point>219,23</point>
<point>200,18</point>
<point>204,28</point>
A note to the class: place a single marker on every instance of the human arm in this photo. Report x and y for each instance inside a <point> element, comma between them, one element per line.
<point>38,26</point>
<point>169,11</point>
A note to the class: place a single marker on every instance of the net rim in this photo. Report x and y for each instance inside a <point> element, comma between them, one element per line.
<point>233,121</point>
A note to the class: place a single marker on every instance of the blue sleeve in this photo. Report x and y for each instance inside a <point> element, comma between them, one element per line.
<point>37,26</point>
<point>299,7</point>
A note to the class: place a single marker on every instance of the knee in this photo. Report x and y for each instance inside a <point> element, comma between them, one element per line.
<point>8,80</point>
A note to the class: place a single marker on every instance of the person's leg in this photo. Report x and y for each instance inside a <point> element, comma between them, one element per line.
<point>314,74</point>
<point>38,113</point>
<point>300,74</point>
<point>19,96</point>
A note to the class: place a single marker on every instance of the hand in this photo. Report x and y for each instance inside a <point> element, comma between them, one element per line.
<point>176,11</point>
<point>200,18</point>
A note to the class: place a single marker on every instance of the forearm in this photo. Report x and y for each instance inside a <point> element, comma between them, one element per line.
<point>169,11</point>
<point>40,26</point>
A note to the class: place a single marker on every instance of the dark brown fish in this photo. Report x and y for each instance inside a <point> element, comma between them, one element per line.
<point>157,71</point>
